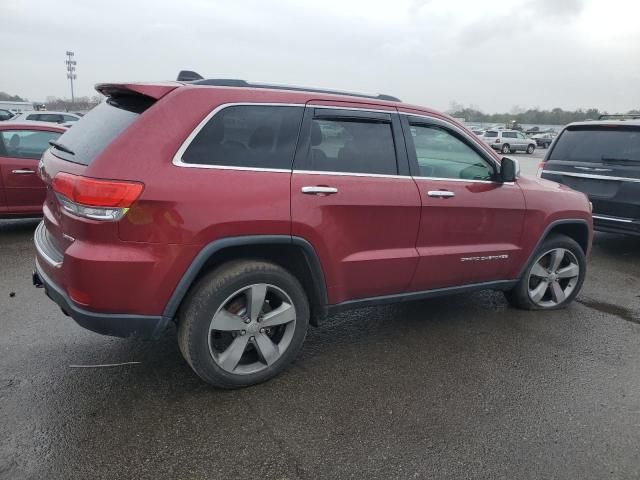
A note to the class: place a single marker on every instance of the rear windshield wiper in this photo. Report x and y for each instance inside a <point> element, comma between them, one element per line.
<point>60,147</point>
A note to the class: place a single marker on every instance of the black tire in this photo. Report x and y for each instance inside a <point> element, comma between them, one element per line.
<point>519,297</point>
<point>531,149</point>
<point>210,293</point>
<point>505,148</point>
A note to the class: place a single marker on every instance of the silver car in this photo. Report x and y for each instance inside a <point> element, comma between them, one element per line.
<point>47,116</point>
<point>507,141</point>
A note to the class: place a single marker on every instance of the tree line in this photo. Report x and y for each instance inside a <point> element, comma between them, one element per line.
<point>555,116</point>
<point>58,104</point>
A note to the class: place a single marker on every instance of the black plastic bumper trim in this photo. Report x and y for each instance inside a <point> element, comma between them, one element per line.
<point>115,325</point>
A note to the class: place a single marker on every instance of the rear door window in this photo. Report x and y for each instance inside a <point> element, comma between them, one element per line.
<point>352,145</point>
<point>247,136</point>
<point>598,145</point>
<point>25,143</point>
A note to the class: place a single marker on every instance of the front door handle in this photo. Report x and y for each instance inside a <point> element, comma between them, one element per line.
<point>24,171</point>
<point>440,194</point>
<point>318,190</point>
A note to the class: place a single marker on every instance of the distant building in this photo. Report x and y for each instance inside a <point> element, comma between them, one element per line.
<point>16,106</point>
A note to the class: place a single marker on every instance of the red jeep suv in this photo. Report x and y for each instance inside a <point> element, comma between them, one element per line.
<point>245,212</point>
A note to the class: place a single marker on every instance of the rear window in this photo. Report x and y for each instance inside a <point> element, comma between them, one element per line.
<point>98,128</point>
<point>247,136</point>
<point>491,134</point>
<point>598,145</point>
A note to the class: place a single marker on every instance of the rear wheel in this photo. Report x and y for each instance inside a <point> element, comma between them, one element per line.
<point>243,323</point>
<point>530,149</point>
<point>554,277</point>
<point>506,148</point>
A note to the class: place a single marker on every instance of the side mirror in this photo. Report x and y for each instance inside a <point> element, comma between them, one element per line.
<point>509,170</point>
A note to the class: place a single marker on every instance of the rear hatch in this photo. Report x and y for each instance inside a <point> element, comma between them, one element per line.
<point>490,136</point>
<point>77,149</point>
<point>602,161</point>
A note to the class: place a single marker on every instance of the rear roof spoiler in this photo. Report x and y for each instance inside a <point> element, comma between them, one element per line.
<point>152,90</point>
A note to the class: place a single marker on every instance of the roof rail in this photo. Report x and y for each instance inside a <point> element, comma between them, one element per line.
<point>197,79</point>
<point>624,116</point>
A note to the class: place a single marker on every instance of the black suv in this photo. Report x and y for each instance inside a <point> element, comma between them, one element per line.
<point>602,159</point>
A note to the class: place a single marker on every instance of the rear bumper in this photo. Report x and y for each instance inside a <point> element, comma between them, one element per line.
<point>608,223</point>
<point>117,325</point>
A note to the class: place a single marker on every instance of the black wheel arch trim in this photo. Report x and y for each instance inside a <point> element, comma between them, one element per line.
<point>545,234</point>
<point>212,248</point>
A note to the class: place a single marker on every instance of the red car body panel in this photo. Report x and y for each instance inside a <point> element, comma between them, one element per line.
<point>381,235</point>
<point>482,220</point>
<point>22,194</point>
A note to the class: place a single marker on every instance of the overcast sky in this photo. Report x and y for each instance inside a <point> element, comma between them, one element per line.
<point>492,54</point>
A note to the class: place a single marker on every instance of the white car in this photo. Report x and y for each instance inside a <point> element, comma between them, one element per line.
<point>507,141</point>
<point>46,116</point>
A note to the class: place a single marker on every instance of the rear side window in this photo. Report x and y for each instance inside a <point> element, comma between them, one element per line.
<point>25,143</point>
<point>491,134</point>
<point>598,145</point>
<point>98,128</point>
<point>352,146</point>
<point>35,117</point>
<point>249,136</point>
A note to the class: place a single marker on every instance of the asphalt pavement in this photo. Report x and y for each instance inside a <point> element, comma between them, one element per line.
<point>459,387</point>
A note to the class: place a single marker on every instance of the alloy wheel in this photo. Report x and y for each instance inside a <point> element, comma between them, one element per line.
<point>252,329</point>
<point>553,277</point>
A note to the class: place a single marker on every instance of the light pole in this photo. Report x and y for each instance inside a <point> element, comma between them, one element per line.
<point>71,68</point>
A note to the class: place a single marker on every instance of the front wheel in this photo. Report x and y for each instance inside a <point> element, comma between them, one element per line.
<point>243,323</point>
<point>554,277</point>
<point>530,149</point>
<point>505,148</point>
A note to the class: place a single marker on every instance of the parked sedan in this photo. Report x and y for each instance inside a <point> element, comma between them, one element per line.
<point>48,116</point>
<point>5,114</point>
<point>22,144</point>
<point>544,139</point>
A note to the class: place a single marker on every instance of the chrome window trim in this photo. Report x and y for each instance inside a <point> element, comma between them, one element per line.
<point>593,176</point>
<point>613,219</point>
<point>350,174</point>
<point>463,180</point>
<point>177,158</point>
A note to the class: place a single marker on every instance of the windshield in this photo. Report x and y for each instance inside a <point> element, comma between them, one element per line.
<point>599,144</point>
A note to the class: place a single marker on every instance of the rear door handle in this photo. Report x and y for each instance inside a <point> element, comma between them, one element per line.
<point>317,190</point>
<point>24,171</point>
<point>440,194</point>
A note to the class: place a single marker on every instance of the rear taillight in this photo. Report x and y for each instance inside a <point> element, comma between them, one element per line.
<point>540,169</point>
<point>95,198</point>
